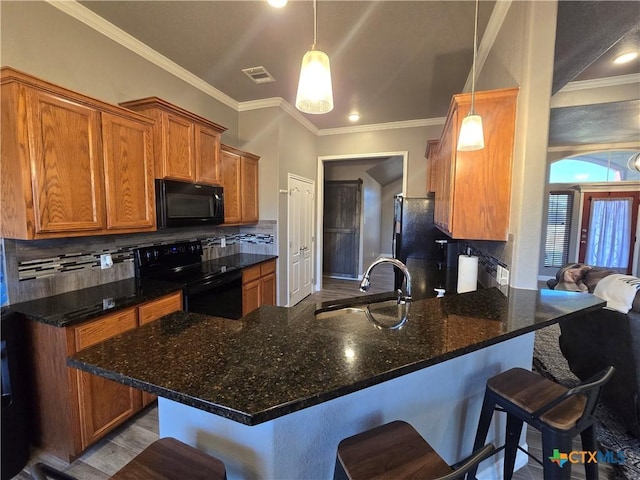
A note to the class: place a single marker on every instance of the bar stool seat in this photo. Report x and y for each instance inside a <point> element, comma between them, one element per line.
<point>558,412</point>
<point>164,459</point>
<point>396,451</point>
<point>169,459</point>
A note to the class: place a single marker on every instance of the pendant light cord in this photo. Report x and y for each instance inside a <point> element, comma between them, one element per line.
<point>473,68</point>
<point>315,25</point>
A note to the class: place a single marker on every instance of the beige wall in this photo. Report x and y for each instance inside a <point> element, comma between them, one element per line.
<point>259,133</point>
<point>43,41</point>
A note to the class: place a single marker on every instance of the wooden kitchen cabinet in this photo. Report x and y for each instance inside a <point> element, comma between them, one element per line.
<point>74,408</point>
<point>239,172</point>
<point>473,189</point>
<point>187,146</point>
<point>258,286</point>
<point>103,404</point>
<point>129,186</point>
<point>71,165</point>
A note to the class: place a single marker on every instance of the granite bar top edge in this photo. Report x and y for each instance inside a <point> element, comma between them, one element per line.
<point>286,406</point>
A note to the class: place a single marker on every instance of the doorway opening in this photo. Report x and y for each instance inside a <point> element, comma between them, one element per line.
<point>381,176</point>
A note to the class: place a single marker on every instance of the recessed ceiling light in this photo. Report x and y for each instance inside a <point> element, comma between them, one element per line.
<point>277,3</point>
<point>626,57</point>
<point>354,117</point>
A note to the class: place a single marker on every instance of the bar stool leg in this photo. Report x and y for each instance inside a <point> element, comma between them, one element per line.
<point>486,414</point>
<point>590,444</point>
<point>551,441</point>
<point>514,428</point>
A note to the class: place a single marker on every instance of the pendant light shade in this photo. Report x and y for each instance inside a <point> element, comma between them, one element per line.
<point>315,94</point>
<point>471,132</point>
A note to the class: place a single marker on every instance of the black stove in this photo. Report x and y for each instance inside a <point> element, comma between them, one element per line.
<point>211,288</point>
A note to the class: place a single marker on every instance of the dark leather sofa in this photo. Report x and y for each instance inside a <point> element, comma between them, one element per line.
<point>602,338</point>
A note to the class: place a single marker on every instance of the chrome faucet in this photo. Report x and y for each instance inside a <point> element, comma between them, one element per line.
<point>366,283</point>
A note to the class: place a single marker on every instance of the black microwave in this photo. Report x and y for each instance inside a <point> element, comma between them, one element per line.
<point>182,204</point>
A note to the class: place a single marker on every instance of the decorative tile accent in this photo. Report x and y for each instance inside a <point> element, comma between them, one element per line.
<point>67,262</point>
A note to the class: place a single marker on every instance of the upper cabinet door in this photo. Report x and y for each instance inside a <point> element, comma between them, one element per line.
<point>249,189</point>
<point>207,155</point>
<point>230,173</point>
<point>66,164</point>
<point>128,164</point>
<point>178,148</point>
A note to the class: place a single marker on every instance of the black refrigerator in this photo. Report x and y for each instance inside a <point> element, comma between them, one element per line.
<point>414,231</point>
<point>430,254</point>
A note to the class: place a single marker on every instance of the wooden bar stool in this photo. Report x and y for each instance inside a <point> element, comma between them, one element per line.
<point>558,412</point>
<point>396,451</point>
<point>164,459</point>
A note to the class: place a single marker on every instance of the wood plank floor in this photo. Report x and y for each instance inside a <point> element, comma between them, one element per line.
<point>114,451</point>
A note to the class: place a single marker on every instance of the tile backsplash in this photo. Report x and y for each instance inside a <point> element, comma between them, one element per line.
<point>41,268</point>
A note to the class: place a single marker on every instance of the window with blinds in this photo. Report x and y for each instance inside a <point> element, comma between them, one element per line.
<point>558,228</point>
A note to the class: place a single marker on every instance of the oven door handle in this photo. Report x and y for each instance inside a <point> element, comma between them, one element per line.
<point>223,279</point>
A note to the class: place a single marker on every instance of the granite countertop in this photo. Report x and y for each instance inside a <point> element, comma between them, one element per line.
<point>238,261</point>
<point>278,360</point>
<point>85,304</point>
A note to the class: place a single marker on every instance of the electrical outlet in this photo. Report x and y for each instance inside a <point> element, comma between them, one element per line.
<point>106,261</point>
<point>502,275</point>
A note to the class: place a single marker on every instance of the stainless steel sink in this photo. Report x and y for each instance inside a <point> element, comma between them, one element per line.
<point>386,315</point>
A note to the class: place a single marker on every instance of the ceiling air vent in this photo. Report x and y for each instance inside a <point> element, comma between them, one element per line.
<point>259,75</point>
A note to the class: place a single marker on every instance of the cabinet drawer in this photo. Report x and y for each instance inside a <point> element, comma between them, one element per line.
<point>106,327</point>
<point>267,267</point>
<point>159,308</point>
<point>250,274</point>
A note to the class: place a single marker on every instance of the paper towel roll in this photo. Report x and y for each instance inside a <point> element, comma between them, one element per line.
<point>467,273</point>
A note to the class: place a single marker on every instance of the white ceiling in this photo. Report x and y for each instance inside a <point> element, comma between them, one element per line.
<point>391,60</point>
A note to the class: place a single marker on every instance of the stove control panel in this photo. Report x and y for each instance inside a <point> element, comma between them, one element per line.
<point>171,254</point>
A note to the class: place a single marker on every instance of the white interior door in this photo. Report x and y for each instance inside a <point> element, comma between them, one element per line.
<point>300,254</point>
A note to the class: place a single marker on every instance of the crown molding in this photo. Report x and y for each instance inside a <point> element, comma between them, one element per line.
<point>601,82</point>
<point>426,122</point>
<point>284,105</point>
<point>108,29</point>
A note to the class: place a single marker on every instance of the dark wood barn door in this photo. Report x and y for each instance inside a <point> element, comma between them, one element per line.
<point>341,251</point>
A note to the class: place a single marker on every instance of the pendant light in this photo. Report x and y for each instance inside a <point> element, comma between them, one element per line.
<point>471,134</point>
<point>315,94</point>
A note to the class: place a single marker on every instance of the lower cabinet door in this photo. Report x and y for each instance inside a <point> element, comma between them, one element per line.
<point>251,296</point>
<point>269,289</point>
<point>103,405</point>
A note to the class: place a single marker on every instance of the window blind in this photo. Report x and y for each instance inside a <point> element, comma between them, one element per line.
<point>558,228</point>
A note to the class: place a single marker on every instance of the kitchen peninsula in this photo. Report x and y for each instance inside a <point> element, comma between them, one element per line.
<point>271,395</point>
